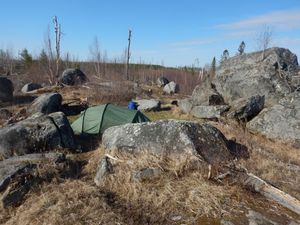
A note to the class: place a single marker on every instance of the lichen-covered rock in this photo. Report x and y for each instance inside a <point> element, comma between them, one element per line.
<point>252,74</point>
<point>281,121</point>
<point>73,77</point>
<point>37,133</point>
<point>6,90</point>
<point>46,103</point>
<point>169,138</point>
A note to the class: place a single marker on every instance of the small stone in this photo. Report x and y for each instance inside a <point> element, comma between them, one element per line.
<point>104,169</point>
<point>147,174</point>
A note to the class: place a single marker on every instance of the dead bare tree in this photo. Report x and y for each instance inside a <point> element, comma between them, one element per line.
<point>47,57</point>
<point>53,58</point>
<point>128,55</point>
<point>7,61</point>
<point>57,29</point>
<point>264,39</point>
<point>96,56</point>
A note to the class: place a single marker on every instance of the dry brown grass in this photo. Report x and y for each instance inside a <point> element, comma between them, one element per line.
<point>182,185</point>
<point>182,190</point>
<point>120,200</point>
<point>278,163</point>
<point>173,113</point>
<point>118,94</point>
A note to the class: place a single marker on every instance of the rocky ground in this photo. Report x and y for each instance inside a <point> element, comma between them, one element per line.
<point>188,170</point>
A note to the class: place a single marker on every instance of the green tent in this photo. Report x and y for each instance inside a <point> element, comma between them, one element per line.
<point>97,119</point>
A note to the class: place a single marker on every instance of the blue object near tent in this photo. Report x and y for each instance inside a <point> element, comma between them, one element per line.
<point>132,105</point>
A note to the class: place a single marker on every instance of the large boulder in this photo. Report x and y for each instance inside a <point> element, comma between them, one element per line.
<point>73,77</point>
<point>252,74</point>
<point>205,102</point>
<point>46,103</point>
<point>281,121</point>
<point>162,81</point>
<point>30,87</point>
<point>148,104</point>
<point>170,138</point>
<point>206,94</point>
<point>171,88</point>
<point>37,133</point>
<point>246,109</point>
<point>6,90</point>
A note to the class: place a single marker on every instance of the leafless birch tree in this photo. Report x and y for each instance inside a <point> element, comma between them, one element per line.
<point>53,58</point>
<point>264,39</point>
<point>96,56</point>
<point>7,61</point>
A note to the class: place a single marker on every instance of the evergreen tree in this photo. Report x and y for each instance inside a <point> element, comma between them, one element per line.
<point>241,48</point>
<point>26,58</point>
<point>224,56</point>
<point>43,60</point>
<point>213,68</point>
<point>43,56</point>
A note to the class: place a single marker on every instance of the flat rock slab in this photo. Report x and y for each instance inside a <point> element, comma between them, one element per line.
<point>148,105</point>
<point>147,174</point>
<point>209,111</point>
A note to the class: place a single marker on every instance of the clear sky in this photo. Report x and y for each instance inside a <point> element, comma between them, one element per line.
<point>172,32</point>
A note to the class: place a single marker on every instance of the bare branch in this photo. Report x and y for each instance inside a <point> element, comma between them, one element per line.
<point>264,39</point>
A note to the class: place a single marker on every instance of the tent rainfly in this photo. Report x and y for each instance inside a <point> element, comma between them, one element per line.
<point>96,119</point>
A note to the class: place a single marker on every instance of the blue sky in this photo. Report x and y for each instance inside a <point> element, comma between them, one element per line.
<point>171,32</point>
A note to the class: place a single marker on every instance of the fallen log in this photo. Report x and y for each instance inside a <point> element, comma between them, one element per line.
<point>34,158</point>
<point>44,90</point>
<point>260,186</point>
